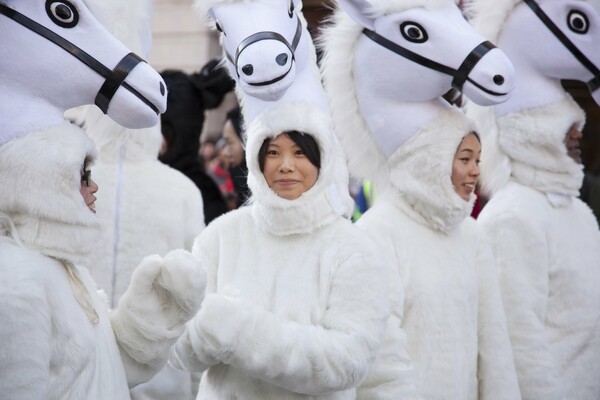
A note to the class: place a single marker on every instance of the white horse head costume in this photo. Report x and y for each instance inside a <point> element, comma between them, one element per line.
<point>547,40</point>
<point>56,55</point>
<point>388,63</point>
<point>272,58</point>
<point>268,50</point>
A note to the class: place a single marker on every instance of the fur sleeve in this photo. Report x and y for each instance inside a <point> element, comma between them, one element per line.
<point>303,358</point>
<point>496,369</point>
<point>25,334</point>
<point>521,254</point>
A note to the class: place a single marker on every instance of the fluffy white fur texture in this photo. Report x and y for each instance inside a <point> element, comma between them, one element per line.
<point>50,349</point>
<point>384,7</point>
<point>421,172</point>
<point>130,21</point>
<point>289,317</point>
<point>41,177</point>
<point>549,268</point>
<point>202,7</point>
<point>365,160</point>
<point>528,145</point>
<point>164,293</point>
<point>451,313</point>
<point>326,200</point>
<point>488,16</point>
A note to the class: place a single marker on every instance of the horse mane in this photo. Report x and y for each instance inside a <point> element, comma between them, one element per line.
<point>488,16</point>
<point>338,39</point>
<point>130,21</point>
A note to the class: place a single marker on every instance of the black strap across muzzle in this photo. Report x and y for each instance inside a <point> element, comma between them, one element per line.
<point>459,76</point>
<point>594,83</point>
<point>267,35</point>
<point>114,78</point>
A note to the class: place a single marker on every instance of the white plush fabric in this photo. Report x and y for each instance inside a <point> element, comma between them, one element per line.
<point>547,245</point>
<point>56,336</point>
<point>452,311</point>
<point>297,303</point>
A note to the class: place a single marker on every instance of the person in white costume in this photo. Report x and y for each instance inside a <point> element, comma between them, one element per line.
<point>546,241</point>
<point>297,298</point>
<point>56,334</point>
<point>421,153</point>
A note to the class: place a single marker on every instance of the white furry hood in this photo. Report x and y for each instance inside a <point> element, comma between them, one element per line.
<point>326,201</point>
<point>534,141</point>
<point>529,147</point>
<point>40,176</point>
<point>421,171</point>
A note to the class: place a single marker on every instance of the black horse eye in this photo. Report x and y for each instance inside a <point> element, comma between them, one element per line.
<point>413,32</point>
<point>219,27</point>
<point>291,9</point>
<point>578,22</point>
<point>62,13</point>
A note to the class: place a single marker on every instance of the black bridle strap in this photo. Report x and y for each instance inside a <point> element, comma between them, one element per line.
<point>460,75</point>
<point>116,78</point>
<point>75,51</point>
<point>267,35</point>
<point>594,83</point>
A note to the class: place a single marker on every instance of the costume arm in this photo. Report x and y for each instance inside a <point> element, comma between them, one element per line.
<point>303,358</point>
<point>496,368</point>
<point>25,337</point>
<point>162,296</point>
<point>521,253</point>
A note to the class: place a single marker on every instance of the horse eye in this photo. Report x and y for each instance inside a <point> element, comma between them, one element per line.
<point>291,9</point>
<point>578,22</point>
<point>413,32</point>
<point>219,27</point>
<point>62,13</point>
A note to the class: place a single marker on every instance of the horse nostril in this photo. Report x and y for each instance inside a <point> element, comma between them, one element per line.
<point>248,69</point>
<point>498,79</point>
<point>162,89</point>
<point>281,59</point>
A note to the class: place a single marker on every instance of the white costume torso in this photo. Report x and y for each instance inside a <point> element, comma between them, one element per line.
<point>547,246</point>
<point>452,311</point>
<point>307,296</point>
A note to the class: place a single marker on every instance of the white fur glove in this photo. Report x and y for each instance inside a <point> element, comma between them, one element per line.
<point>162,296</point>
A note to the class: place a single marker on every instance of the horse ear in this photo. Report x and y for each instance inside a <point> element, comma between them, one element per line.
<point>360,11</point>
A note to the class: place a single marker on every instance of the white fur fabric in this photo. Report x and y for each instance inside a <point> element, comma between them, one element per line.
<point>488,16</point>
<point>421,170</point>
<point>289,317</point>
<point>327,200</point>
<point>549,264</point>
<point>529,146</point>
<point>50,349</point>
<point>41,176</point>
<point>365,159</point>
<point>451,312</point>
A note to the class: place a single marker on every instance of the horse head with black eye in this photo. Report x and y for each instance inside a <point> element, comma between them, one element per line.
<point>268,50</point>
<point>56,55</point>
<point>387,65</point>
<point>547,40</point>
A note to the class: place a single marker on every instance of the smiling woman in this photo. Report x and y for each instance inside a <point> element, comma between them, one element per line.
<point>465,167</point>
<point>290,163</point>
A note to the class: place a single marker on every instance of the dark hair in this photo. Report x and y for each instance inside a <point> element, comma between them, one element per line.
<point>306,142</point>
<point>476,135</point>
<point>235,116</point>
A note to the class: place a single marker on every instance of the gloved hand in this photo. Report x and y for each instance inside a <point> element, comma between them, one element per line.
<point>162,296</point>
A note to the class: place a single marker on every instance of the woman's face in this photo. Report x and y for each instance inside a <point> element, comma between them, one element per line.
<point>87,189</point>
<point>233,151</point>
<point>465,167</point>
<point>287,170</point>
<point>572,139</point>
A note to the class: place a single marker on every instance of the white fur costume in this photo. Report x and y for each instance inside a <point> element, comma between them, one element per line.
<point>297,302</point>
<point>547,245</point>
<point>451,311</point>
<point>546,241</point>
<point>56,336</point>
